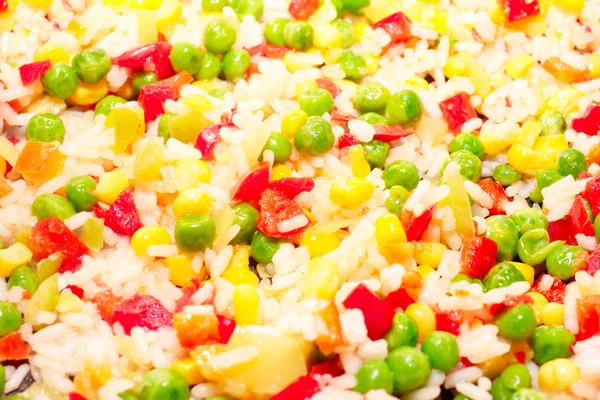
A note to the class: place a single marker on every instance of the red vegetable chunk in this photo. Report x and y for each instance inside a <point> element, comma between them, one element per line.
<point>588,315</point>
<point>377,313</point>
<point>347,140</point>
<point>156,53</point>
<point>329,86</point>
<point>226,328</point>
<point>32,72</point>
<point>14,348</point>
<point>292,187</point>
<point>478,256</point>
<point>592,194</point>
<point>390,133</point>
<point>207,140</point>
<point>303,9</point>
<point>416,226</point>
<point>252,185</point>
<point>144,311</point>
<point>276,207</point>
<point>516,10</point>
<point>579,220</point>
<point>271,51</point>
<point>457,110</point>
<point>593,263</point>
<point>555,292</point>
<point>122,216</point>
<point>399,299</point>
<point>497,193</point>
<point>152,99</point>
<point>589,122</point>
<point>303,389</point>
<point>397,26</point>
<point>448,321</point>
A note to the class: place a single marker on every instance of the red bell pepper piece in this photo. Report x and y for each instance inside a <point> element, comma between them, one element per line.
<point>51,236</point>
<point>591,194</point>
<point>397,26</point>
<point>161,58</point>
<point>510,301</point>
<point>153,97</point>
<point>144,311</point>
<point>226,328</point>
<point>497,193</point>
<point>377,313</point>
<point>3,5</point>
<point>556,292</point>
<point>271,51</point>
<point>14,348</point>
<point>589,122</point>
<point>122,216</point>
<point>448,321</point>
<point>347,140</point>
<point>579,219</point>
<point>207,140</point>
<point>33,71</point>
<point>292,187</point>
<point>329,86</point>
<point>157,53</point>
<point>187,293</point>
<point>337,115</point>
<point>588,315</point>
<point>303,389</point>
<point>457,110</point>
<point>593,263</point>
<point>76,396</point>
<point>276,207</point>
<point>303,9</point>
<point>516,10</point>
<point>106,303</point>
<point>559,230</point>
<point>390,133</point>
<point>177,81</point>
<point>332,367</point>
<point>418,225</point>
<point>399,299</point>
<point>252,185</point>
<point>76,290</point>
<point>478,256</point>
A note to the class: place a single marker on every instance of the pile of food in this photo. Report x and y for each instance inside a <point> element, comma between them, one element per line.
<point>305,199</point>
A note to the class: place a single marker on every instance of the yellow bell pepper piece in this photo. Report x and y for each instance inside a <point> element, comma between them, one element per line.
<point>528,161</point>
<point>320,244</point>
<point>246,304</point>
<point>12,257</point>
<point>129,126</point>
<point>528,133</point>
<point>459,202</point>
<point>495,143</point>
<point>551,145</point>
<point>180,269</point>
<point>185,127</point>
<point>565,101</point>
<point>148,161</point>
<point>518,66</point>
<point>189,173</point>
<point>68,303</point>
<point>321,279</point>
<point>110,185</point>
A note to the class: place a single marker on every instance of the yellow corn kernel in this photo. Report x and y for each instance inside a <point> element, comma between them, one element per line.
<point>240,276</point>
<point>198,102</point>
<point>321,279</point>
<point>372,63</point>
<point>110,185</point>
<point>180,269</point>
<point>423,316</point>
<point>351,193</point>
<point>425,270</point>
<point>417,82</point>
<point>565,101</point>
<point>539,301</point>
<point>68,303</point>
<point>526,270</point>
<point>553,314</point>
<point>595,65</point>
<point>52,52</point>
<point>360,166</point>
<point>559,374</point>
<point>89,94</point>
<point>436,19</point>
<point>305,85</point>
<point>362,31</point>
<point>189,369</point>
<point>526,160</point>
<point>389,229</point>
<point>429,253</point>
<point>145,4</point>
<point>528,133</point>
<point>148,161</point>
<point>150,235</point>
<point>551,146</point>
<point>496,13</point>
<point>280,171</point>
<point>209,84</point>
<point>570,5</point>
<point>332,56</point>
<point>245,305</point>
<point>193,201</point>
<point>39,3</point>
<point>320,244</point>
<point>12,257</point>
<point>457,64</point>
<point>296,61</point>
<point>480,78</point>
<point>76,29</point>
<point>518,66</point>
<point>494,143</point>
<point>327,36</point>
<point>189,173</point>
<point>292,121</point>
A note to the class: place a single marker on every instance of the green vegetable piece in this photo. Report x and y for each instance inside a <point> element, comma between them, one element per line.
<point>315,101</point>
<point>185,57</point>
<point>235,64</point>
<point>401,173</point>
<point>219,36</point>
<point>50,205</point>
<point>91,65</point>
<point>248,7</point>
<point>466,278</point>
<point>263,247</point>
<point>506,175</point>
<point>274,31</point>
<point>23,277</point>
<point>564,261</point>
<point>552,122</point>
<point>245,216</point>
<point>371,97</point>
<point>45,127</point>
<point>128,396</point>
<point>528,394</point>
<point>535,246</point>
<point>376,152</point>
<point>499,391</point>
<point>442,350</point>
<point>60,80</point>
<point>544,177</point>
<point>92,234</point>
<point>315,137</point>
<point>298,35</point>
<point>468,142</point>
<point>10,319</point>
<point>502,230</point>
<point>470,165</point>
<point>404,108</point>
<point>398,196</point>
<point>528,219</point>
<point>162,383</point>
<point>355,6</point>
<point>163,126</point>
<point>80,192</point>
<point>571,162</point>
<point>210,67</point>
<point>141,79</point>
<point>346,31</point>
<point>353,65</point>
<point>374,375</point>
<point>516,323</point>
<point>280,145</point>
<point>404,332</point>
<point>502,275</point>
<point>410,367</point>
<point>106,105</point>
<point>373,118</point>
<point>194,232</point>
<point>214,5</point>
<point>551,342</point>
<point>516,377</point>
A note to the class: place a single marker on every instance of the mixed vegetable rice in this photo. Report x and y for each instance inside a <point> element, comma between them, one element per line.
<point>305,199</point>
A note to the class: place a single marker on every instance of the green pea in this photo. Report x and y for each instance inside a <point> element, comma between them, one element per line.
<point>527,219</point>
<point>214,5</point>
<point>91,65</point>
<point>502,275</point>
<point>235,64</point>
<point>516,377</point>
<point>355,6</point>
<point>298,35</point>
<point>410,367</point>
<point>248,7</point>
<point>468,142</point>
<point>398,196</point>
<point>163,126</point>
<point>516,323</point>
<point>502,230</point>
<point>499,391</point>
<point>185,57</point>
<point>128,396</point>
<point>80,192</point>
<point>466,278</point>
<point>571,162</point>
<point>535,246</point>
<point>544,177</point>
<point>552,122</point>
<point>315,137</point>
<point>373,118</point>
<point>23,277</point>
<point>210,67</point>
<point>106,105</point>
<point>506,175</point>
<point>346,31</point>
<point>141,79</point>
<point>244,216</point>
<point>404,108</point>
<point>528,394</point>
<point>263,247</point>
<point>280,145</point>
<point>162,383</point>
<point>218,93</point>
<point>10,318</point>
<point>60,80</point>
<point>219,36</point>
<point>353,65</point>
<point>274,31</point>
<point>371,97</point>
<point>401,173</point>
<point>442,350</point>
<point>551,342</point>
<point>194,232</point>
<point>470,165</point>
<point>376,151</point>
<point>564,261</point>
<point>49,205</point>
<point>404,331</point>
<point>374,375</point>
<point>45,127</point>
<point>315,101</point>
